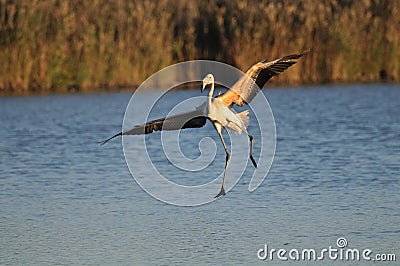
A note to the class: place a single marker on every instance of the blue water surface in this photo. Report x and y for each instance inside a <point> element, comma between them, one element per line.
<point>64,200</point>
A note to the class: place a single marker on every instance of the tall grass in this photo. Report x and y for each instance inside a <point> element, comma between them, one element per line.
<point>54,44</point>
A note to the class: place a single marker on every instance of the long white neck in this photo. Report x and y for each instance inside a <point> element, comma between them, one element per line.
<point>210,94</point>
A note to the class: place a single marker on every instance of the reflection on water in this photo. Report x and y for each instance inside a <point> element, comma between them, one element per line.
<point>65,200</point>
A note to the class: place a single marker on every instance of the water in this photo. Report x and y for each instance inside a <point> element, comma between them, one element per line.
<point>65,200</point>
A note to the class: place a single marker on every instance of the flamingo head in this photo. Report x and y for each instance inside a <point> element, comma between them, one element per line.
<point>207,80</point>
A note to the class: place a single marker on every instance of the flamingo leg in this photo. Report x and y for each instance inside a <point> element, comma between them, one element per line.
<point>251,146</point>
<point>218,127</point>
<point>251,149</point>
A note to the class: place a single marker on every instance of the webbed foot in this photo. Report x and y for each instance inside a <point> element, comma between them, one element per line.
<point>221,192</point>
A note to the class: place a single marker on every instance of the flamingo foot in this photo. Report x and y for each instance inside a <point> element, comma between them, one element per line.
<point>253,161</point>
<point>221,192</point>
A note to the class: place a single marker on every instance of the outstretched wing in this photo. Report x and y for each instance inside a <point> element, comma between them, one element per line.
<point>193,119</point>
<point>243,91</point>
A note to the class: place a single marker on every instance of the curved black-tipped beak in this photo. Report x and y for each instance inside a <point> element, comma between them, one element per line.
<point>203,86</point>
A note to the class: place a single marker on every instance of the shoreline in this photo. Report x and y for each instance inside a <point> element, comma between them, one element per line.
<point>131,88</point>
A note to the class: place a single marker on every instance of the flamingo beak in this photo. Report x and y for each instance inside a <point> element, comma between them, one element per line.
<point>204,84</point>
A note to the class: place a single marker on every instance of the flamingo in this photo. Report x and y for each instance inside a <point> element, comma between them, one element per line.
<point>219,110</point>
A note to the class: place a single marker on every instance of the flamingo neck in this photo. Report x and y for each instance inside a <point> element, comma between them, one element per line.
<point>210,94</point>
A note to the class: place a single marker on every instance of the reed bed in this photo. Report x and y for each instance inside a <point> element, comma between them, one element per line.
<point>56,45</point>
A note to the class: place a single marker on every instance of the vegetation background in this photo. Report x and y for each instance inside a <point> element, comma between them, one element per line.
<point>56,45</point>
